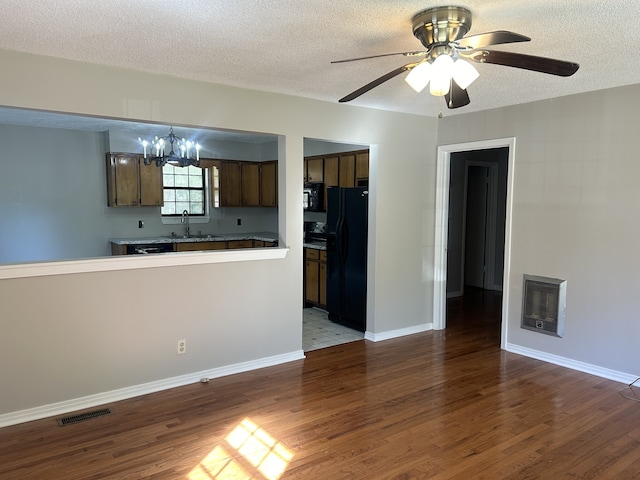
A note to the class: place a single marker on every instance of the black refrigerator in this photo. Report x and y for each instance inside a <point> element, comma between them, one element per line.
<point>347,210</point>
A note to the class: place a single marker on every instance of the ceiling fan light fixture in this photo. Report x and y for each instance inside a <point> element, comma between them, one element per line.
<point>441,77</point>
<point>419,77</point>
<point>439,86</point>
<point>464,73</point>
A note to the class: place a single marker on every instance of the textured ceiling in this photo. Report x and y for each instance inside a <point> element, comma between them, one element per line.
<point>286,46</point>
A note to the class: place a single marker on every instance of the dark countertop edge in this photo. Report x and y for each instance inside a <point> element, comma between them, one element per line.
<point>223,237</point>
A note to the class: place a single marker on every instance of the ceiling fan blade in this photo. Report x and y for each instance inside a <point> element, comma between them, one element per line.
<point>406,54</point>
<point>526,62</point>
<point>457,97</point>
<point>377,81</point>
<point>491,38</point>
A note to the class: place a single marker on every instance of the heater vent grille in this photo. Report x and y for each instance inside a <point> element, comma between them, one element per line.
<point>543,304</point>
<point>81,417</point>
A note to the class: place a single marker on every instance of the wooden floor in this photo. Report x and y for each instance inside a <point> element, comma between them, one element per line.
<point>437,405</point>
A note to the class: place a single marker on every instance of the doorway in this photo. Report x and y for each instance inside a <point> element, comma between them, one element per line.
<point>475,240</point>
<point>337,171</point>
<point>489,215</point>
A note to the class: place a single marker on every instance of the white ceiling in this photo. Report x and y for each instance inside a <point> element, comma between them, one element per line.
<point>286,46</point>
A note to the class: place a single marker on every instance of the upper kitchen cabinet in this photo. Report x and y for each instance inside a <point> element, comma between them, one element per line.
<point>269,184</point>
<point>230,184</point>
<point>250,184</point>
<point>346,169</point>
<point>246,184</point>
<point>131,183</point>
<point>151,192</point>
<point>314,170</point>
<point>347,173</point>
<point>362,167</point>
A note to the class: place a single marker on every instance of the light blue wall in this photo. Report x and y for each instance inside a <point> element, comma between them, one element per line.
<point>53,197</point>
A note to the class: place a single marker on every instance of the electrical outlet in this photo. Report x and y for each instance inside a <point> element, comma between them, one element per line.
<point>239,221</point>
<point>182,347</point>
<point>140,224</point>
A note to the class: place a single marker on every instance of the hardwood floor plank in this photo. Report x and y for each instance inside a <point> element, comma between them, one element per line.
<point>437,405</point>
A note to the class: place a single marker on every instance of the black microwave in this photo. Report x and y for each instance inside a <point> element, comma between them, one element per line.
<point>312,197</point>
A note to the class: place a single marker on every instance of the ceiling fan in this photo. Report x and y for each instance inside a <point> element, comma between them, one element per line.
<point>444,64</point>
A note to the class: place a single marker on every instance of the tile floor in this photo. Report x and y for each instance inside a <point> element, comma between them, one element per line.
<point>320,332</point>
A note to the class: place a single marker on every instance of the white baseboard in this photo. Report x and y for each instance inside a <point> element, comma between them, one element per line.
<point>378,337</point>
<point>614,375</point>
<point>89,401</point>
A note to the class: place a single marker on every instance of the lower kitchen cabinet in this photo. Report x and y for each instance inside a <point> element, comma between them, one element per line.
<point>118,249</point>
<point>263,244</point>
<point>231,244</point>
<point>315,277</point>
<point>323,279</point>
<point>198,246</point>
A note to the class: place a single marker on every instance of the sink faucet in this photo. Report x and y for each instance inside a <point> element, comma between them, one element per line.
<point>185,220</point>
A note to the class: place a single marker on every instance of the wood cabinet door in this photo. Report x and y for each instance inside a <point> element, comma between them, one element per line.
<point>330,175</point>
<point>269,184</point>
<point>347,171</point>
<point>124,181</point>
<point>151,193</point>
<point>315,170</point>
<point>230,184</point>
<point>250,184</point>
<point>362,165</point>
<point>198,246</point>
<point>312,273</point>
<point>322,285</point>
<point>232,244</point>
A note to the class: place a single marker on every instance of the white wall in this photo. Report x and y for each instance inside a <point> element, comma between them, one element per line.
<point>575,210</point>
<point>87,333</point>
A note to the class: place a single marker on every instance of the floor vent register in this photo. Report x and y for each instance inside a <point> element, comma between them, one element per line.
<point>82,417</point>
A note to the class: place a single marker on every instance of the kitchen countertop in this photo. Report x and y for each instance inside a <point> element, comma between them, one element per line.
<point>221,237</point>
<point>317,245</point>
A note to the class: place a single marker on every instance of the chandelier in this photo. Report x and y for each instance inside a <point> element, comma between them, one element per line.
<point>188,152</point>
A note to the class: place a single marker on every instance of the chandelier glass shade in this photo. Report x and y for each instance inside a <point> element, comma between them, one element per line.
<point>155,151</point>
<point>439,73</point>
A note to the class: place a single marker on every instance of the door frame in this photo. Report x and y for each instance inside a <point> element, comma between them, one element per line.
<point>443,167</point>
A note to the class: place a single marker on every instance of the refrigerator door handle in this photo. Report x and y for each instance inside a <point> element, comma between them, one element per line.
<point>345,241</point>
<point>340,244</point>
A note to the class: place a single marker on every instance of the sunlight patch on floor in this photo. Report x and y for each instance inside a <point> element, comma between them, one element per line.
<point>259,456</point>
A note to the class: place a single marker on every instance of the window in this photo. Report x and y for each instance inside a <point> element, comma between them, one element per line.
<point>215,187</point>
<point>184,189</point>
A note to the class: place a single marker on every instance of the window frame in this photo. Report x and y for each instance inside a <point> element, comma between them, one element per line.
<point>203,189</point>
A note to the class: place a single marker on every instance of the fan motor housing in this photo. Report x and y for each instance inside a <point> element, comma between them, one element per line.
<point>441,25</point>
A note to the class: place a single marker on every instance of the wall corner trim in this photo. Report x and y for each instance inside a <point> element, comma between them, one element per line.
<point>379,337</point>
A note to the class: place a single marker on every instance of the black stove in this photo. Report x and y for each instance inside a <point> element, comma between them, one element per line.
<point>315,232</point>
